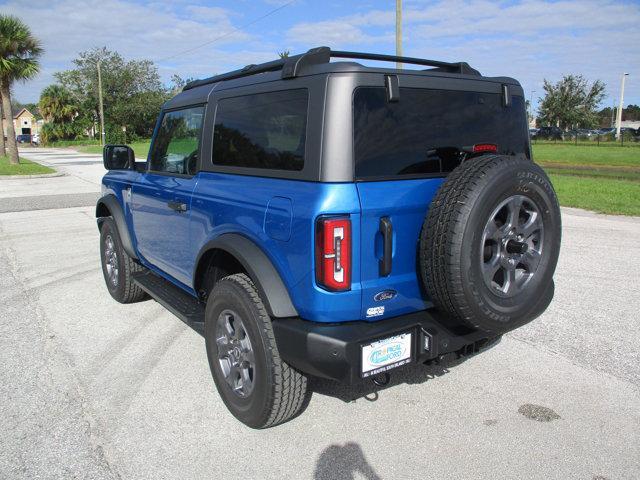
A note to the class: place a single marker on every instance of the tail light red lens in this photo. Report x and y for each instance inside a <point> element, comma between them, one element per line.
<point>485,148</point>
<point>333,253</point>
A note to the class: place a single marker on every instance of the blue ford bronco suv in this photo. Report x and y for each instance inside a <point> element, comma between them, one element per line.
<point>329,219</point>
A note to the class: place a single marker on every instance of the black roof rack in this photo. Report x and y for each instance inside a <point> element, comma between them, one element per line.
<point>291,66</point>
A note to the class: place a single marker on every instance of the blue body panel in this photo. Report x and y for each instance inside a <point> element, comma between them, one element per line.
<point>279,216</point>
<point>405,203</point>
<point>224,203</point>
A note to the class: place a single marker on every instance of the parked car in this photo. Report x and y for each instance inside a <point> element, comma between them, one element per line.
<point>23,138</point>
<point>35,139</point>
<point>317,218</point>
<point>549,133</point>
<point>533,132</point>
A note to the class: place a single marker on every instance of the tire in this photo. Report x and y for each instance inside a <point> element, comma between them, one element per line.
<point>256,385</point>
<point>118,266</point>
<point>490,243</point>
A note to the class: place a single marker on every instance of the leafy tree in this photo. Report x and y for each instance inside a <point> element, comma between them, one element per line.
<point>56,104</point>
<point>632,113</point>
<point>19,53</point>
<point>284,54</point>
<point>132,91</point>
<point>571,102</point>
<point>61,113</point>
<point>178,83</point>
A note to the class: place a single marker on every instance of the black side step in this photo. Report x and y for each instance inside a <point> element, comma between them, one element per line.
<point>187,308</point>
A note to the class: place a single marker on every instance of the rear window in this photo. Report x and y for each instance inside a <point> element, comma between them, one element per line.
<point>428,131</point>
<point>265,130</point>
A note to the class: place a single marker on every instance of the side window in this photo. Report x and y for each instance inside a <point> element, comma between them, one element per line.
<point>175,147</point>
<point>265,130</point>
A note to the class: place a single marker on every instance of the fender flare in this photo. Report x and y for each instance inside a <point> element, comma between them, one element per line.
<point>260,269</point>
<point>110,201</point>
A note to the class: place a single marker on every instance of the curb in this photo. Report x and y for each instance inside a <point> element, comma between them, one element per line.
<point>23,177</point>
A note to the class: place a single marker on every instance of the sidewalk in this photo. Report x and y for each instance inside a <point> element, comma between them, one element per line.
<point>79,186</point>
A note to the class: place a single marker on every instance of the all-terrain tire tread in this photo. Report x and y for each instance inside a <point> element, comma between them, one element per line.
<point>442,232</point>
<point>290,386</point>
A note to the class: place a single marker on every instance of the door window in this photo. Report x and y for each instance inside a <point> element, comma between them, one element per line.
<point>177,142</point>
<point>264,130</point>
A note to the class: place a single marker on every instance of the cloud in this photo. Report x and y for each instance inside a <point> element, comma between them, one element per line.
<point>150,31</point>
<point>529,40</point>
<point>334,33</point>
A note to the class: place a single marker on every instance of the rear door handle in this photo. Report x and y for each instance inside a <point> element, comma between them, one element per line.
<point>386,229</point>
<point>177,206</point>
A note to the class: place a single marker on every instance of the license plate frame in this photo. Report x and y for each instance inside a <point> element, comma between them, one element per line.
<point>385,354</point>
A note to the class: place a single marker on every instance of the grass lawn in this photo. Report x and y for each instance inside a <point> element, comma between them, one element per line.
<point>604,179</point>
<point>602,156</point>
<point>25,167</point>
<point>139,148</point>
<point>621,197</point>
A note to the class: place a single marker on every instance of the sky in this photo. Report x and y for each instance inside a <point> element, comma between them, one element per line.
<point>528,40</point>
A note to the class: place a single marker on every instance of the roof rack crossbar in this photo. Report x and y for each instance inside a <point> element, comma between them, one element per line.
<point>395,58</point>
<point>291,66</point>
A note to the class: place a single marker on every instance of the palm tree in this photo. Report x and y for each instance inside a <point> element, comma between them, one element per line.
<point>56,104</point>
<point>19,52</point>
<point>3,150</point>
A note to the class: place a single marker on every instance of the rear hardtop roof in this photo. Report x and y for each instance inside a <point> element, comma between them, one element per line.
<point>317,62</point>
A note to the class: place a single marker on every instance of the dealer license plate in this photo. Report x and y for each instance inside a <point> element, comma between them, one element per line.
<point>385,354</point>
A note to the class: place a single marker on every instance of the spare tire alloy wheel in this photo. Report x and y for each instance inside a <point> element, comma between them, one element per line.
<point>512,245</point>
<point>490,243</point>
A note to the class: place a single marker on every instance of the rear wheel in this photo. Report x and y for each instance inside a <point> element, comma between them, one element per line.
<point>256,385</point>
<point>490,243</point>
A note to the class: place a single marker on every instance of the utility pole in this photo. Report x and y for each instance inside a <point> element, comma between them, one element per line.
<point>621,106</point>
<point>399,32</point>
<point>613,112</point>
<point>103,135</point>
<point>531,106</point>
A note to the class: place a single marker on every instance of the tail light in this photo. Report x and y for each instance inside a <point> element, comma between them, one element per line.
<point>333,253</point>
<point>485,148</point>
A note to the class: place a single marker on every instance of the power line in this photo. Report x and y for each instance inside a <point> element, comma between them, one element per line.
<point>234,30</point>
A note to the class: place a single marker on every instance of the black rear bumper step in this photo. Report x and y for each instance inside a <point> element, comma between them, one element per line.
<point>333,350</point>
<point>187,308</point>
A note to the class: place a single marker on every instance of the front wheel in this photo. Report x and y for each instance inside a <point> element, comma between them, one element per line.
<point>256,385</point>
<point>117,266</point>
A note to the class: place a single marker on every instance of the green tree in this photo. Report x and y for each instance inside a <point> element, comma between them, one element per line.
<point>56,104</point>
<point>571,102</point>
<point>132,91</point>
<point>19,53</point>
<point>284,54</point>
<point>632,113</point>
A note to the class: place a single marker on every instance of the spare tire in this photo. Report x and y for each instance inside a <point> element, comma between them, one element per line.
<point>490,242</point>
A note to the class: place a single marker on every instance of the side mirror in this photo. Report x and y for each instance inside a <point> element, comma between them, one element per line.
<point>118,157</point>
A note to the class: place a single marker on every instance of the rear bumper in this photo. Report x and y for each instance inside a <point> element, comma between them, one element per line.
<point>334,350</point>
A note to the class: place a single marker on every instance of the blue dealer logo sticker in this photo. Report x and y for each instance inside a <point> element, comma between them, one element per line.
<point>386,353</point>
<point>385,295</point>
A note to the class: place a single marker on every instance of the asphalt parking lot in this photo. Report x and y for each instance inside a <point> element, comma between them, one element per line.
<point>91,389</point>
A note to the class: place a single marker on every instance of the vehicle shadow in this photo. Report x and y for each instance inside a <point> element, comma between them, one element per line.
<point>342,462</point>
<point>412,375</point>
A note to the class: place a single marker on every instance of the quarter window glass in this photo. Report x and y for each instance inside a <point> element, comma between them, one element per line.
<point>428,131</point>
<point>266,130</point>
<point>176,145</point>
